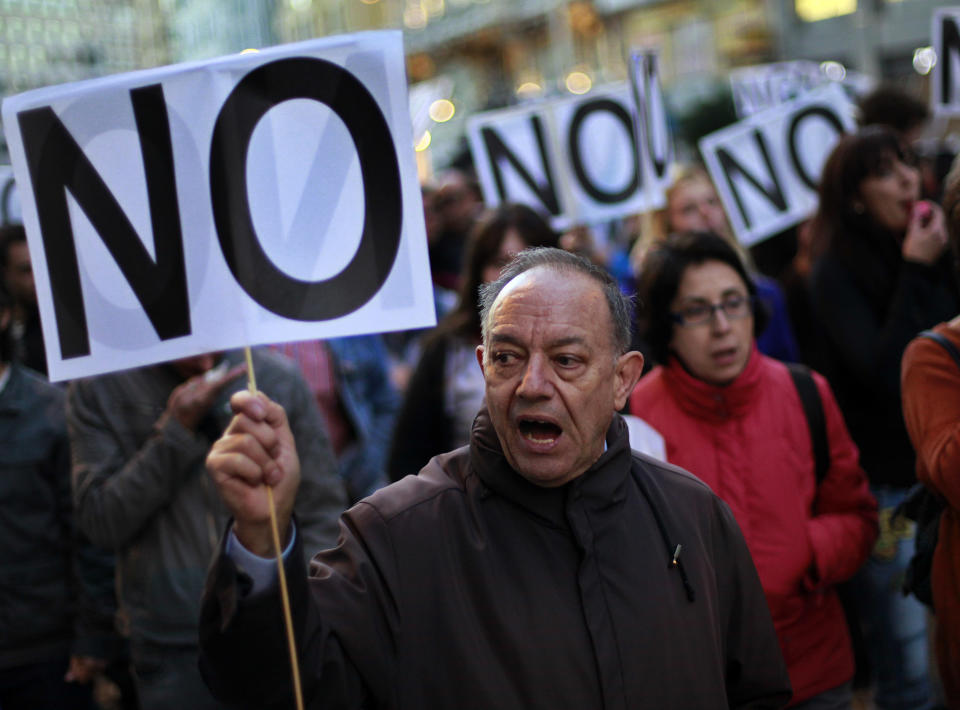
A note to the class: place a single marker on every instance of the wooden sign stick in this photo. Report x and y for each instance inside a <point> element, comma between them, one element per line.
<point>284,595</point>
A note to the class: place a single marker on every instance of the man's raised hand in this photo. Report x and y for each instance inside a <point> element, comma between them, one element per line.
<point>256,450</point>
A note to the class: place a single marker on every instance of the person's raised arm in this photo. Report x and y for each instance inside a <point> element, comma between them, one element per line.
<point>117,492</point>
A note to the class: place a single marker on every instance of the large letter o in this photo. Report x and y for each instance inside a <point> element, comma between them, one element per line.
<point>258,92</point>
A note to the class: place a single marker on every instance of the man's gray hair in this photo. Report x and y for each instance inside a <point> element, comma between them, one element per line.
<point>621,306</point>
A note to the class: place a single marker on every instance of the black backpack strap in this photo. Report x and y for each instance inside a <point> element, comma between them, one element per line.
<point>944,342</point>
<point>816,421</point>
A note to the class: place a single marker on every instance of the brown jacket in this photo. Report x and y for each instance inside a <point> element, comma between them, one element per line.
<point>468,587</point>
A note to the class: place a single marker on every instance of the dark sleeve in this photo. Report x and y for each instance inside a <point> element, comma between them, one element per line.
<point>117,495</point>
<point>844,528</point>
<point>95,630</point>
<point>422,429</point>
<point>345,620</point>
<point>756,673</point>
<point>91,568</point>
<point>869,349</point>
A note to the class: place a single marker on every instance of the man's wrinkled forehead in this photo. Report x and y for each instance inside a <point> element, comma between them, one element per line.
<point>558,286</point>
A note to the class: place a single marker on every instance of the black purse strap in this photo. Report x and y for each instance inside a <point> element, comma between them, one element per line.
<point>816,421</point>
<point>944,342</point>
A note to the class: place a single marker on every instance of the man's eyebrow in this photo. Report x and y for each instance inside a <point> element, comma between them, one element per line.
<point>501,338</point>
<point>568,340</point>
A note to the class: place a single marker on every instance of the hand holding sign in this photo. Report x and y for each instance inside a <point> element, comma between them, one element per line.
<point>257,450</point>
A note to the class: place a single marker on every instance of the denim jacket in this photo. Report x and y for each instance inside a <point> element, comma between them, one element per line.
<point>371,403</point>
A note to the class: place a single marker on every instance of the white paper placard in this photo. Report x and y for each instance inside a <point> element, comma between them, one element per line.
<point>251,199</point>
<point>766,167</point>
<point>580,159</point>
<point>9,200</point>
<point>945,77</point>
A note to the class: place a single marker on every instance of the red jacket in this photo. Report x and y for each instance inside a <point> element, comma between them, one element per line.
<point>750,443</point>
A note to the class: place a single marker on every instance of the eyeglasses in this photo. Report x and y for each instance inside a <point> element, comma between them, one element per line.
<point>734,306</point>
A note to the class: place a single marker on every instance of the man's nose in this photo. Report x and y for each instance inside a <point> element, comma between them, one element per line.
<point>535,383</point>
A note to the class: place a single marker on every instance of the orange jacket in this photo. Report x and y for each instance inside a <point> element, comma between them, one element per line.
<point>931,409</point>
<point>750,443</point>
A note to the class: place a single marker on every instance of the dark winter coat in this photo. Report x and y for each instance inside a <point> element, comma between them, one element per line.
<point>469,587</point>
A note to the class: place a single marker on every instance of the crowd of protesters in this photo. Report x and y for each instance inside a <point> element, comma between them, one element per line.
<point>109,519</point>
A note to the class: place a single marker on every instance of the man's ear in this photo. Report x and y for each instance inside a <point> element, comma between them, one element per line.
<point>628,370</point>
<point>6,313</point>
<point>480,356</point>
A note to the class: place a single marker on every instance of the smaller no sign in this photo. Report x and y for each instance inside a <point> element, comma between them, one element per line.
<point>9,201</point>
<point>766,167</point>
<point>945,78</point>
<point>579,159</point>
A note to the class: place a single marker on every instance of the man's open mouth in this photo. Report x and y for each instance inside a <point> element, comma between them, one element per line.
<point>539,431</point>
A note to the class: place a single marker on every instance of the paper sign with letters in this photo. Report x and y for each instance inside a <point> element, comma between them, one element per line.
<point>759,87</point>
<point>766,167</point>
<point>579,159</point>
<point>9,202</point>
<point>255,198</point>
<point>945,78</point>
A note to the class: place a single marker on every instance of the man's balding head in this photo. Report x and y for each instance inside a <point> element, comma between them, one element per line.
<point>620,306</point>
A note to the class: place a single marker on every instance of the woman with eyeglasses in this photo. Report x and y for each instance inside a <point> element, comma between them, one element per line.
<point>881,275</point>
<point>693,205</point>
<point>733,417</point>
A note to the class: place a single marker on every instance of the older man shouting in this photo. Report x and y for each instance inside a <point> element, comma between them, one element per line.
<point>545,565</point>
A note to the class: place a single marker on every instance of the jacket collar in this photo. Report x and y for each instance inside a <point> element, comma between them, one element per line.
<point>602,486</point>
<point>712,402</point>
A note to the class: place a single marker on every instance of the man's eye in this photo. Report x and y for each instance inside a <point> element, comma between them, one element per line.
<point>566,360</point>
<point>503,358</point>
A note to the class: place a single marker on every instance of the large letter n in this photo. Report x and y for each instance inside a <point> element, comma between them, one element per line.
<point>57,164</point>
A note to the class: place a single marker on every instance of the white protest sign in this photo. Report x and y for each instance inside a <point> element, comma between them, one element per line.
<point>653,139</point>
<point>945,78</point>
<point>766,167</point>
<point>763,86</point>
<point>251,199</point>
<point>577,158</point>
<point>9,202</point>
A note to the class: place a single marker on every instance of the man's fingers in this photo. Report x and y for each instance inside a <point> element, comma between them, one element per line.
<point>247,447</point>
<point>259,407</point>
<point>275,415</point>
<point>250,405</point>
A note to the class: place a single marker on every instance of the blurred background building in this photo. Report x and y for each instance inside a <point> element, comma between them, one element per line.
<point>465,56</point>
